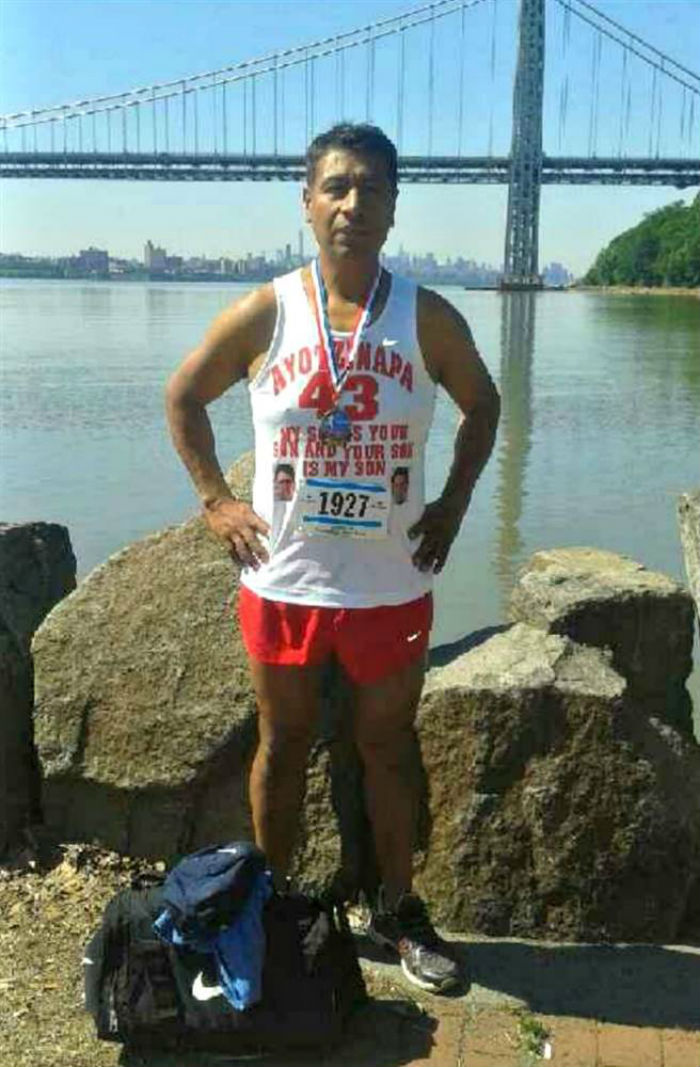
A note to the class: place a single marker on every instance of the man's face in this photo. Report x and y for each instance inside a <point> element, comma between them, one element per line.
<point>399,488</point>
<point>350,204</point>
<point>284,486</point>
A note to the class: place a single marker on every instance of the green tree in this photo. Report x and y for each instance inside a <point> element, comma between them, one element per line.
<point>663,249</point>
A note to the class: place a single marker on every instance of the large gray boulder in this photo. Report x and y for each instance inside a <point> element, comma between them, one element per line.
<point>689,524</point>
<point>37,569</point>
<point>556,810</point>
<point>606,600</point>
<point>145,715</point>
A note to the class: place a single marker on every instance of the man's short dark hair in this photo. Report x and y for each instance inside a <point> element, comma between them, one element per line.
<point>360,137</point>
<point>399,472</point>
<point>284,468</point>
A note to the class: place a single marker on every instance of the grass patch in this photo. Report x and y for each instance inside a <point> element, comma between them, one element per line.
<point>532,1035</point>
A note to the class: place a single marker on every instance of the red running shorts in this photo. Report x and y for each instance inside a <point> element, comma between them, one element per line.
<point>370,643</point>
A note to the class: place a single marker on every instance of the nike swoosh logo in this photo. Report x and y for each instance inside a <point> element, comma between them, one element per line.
<point>200,991</point>
<point>388,343</point>
<point>415,636</point>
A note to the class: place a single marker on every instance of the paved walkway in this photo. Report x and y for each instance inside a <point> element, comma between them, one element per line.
<point>528,1004</point>
<point>533,1003</point>
<point>473,1036</point>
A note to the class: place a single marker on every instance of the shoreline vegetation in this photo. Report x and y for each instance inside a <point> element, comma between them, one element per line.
<point>662,252</point>
<point>638,290</point>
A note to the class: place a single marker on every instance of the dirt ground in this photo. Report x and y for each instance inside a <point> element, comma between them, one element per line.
<point>51,899</point>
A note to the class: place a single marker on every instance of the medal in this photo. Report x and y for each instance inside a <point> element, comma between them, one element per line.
<point>335,426</point>
<point>335,423</point>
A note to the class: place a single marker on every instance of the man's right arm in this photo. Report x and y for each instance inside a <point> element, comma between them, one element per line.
<point>235,343</point>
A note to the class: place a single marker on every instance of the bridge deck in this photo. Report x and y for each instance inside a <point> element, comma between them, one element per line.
<point>484,170</point>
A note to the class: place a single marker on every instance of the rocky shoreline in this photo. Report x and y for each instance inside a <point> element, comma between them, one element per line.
<point>559,776</point>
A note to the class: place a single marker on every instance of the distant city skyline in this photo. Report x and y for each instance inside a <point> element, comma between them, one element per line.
<point>569,233</point>
<point>154,254</point>
<point>158,260</point>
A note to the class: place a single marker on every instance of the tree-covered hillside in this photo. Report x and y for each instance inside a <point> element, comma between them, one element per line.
<point>664,249</point>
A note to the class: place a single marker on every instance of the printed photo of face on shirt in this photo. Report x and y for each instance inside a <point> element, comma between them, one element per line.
<point>400,481</point>
<point>284,481</point>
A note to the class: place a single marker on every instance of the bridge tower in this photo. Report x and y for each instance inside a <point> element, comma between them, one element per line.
<point>522,220</point>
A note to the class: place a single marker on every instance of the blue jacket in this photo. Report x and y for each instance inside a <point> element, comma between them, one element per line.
<point>238,946</point>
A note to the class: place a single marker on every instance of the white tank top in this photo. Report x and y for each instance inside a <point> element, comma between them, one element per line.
<point>339,513</point>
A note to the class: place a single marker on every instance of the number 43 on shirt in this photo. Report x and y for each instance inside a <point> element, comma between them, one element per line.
<point>362,389</point>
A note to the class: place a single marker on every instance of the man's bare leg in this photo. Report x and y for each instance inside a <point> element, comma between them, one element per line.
<point>288,704</point>
<point>384,730</point>
<point>384,715</point>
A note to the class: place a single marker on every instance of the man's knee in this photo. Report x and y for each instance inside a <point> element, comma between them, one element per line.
<point>386,748</point>
<point>283,747</point>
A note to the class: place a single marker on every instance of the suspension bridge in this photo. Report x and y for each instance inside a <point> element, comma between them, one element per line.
<point>458,84</point>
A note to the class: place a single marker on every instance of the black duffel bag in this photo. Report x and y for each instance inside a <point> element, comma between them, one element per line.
<point>145,993</point>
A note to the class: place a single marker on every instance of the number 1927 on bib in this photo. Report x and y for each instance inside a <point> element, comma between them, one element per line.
<point>349,509</point>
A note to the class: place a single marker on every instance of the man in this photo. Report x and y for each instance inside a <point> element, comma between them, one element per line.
<point>284,482</point>
<point>399,485</point>
<point>342,360</point>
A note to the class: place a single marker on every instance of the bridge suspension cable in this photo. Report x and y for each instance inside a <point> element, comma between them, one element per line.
<point>431,85</point>
<point>247,69</point>
<point>652,113</point>
<point>400,90</point>
<point>460,112</point>
<point>650,120</point>
<point>693,85</point>
<point>564,87</point>
<point>623,98</point>
<point>595,95</point>
<point>660,108</point>
<point>370,77</point>
<point>492,94</point>
<point>633,36</point>
<point>687,117</point>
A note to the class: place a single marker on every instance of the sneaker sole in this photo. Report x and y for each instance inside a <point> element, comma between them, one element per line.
<point>431,987</point>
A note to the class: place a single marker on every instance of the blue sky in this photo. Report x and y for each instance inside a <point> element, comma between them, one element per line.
<point>57,51</point>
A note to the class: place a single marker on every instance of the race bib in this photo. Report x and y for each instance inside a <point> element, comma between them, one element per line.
<point>331,506</point>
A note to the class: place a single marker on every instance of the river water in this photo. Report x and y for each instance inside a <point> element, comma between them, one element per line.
<point>600,429</point>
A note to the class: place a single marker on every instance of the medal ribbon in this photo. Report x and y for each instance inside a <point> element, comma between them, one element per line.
<point>324,328</point>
